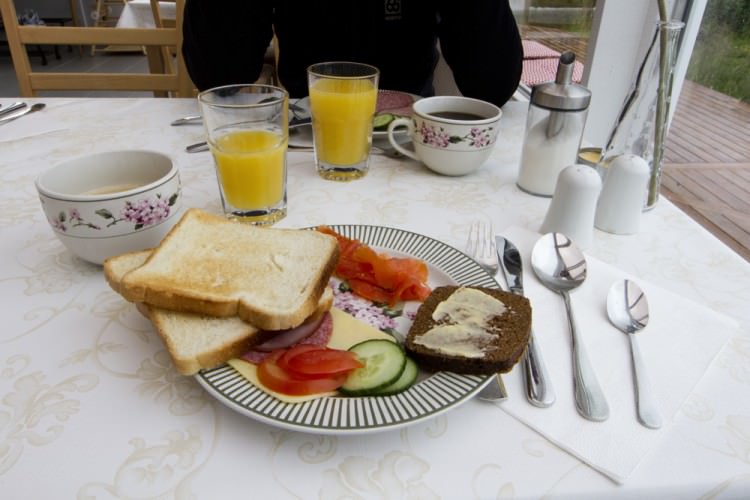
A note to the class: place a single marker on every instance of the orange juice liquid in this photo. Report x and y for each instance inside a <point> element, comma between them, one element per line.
<point>342,113</point>
<point>251,167</point>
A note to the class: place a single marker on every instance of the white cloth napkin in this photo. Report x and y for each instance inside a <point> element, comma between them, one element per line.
<point>678,345</point>
<point>30,125</point>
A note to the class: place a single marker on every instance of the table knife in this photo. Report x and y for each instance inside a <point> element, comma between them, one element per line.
<point>13,107</point>
<point>539,390</point>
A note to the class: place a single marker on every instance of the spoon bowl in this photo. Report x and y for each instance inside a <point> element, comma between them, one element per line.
<point>561,267</point>
<point>628,311</point>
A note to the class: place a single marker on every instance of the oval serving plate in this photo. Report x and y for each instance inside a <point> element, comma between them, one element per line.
<point>432,395</point>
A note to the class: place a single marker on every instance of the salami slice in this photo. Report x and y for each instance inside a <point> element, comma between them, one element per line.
<point>391,101</point>
<point>319,337</point>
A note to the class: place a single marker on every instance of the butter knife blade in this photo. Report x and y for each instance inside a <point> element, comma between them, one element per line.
<point>539,390</point>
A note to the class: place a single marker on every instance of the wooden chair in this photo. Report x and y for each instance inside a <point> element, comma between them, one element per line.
<point>160,22</point>
<point>163,78</point>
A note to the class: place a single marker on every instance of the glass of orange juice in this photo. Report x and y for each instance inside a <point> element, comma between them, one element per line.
<point>342,105</point>
<point>247,131</point>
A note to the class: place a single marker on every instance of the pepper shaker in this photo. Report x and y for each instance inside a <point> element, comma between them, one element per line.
<point>573,205</point>
<point>623,195</point>
<point>554,128</point>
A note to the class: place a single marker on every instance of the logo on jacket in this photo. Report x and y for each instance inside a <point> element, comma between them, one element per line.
<point>392,10</point>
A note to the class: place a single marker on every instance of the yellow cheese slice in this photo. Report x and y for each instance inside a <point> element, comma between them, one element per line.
<point>347,331</point>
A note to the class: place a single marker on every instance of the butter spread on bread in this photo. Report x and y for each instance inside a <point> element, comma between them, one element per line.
<point>470,330</point>
<point>462,324</point>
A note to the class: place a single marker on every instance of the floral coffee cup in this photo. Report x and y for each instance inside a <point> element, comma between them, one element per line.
<point>451,135</point>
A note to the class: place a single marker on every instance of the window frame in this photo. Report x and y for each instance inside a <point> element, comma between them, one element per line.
<point>610,64</point>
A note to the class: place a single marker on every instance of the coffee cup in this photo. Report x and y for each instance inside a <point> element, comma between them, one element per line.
<point>451,135</point>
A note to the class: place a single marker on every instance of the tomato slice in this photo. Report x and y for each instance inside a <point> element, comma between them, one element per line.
<point>293,351</point>
<point>324,362</point>
<point>276,379</point>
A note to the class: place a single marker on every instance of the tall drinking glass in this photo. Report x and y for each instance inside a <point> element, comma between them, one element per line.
<point>342,105</point>
<point>247,128</point>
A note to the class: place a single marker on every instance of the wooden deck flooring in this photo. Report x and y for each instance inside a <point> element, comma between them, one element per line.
<point>707,163</point>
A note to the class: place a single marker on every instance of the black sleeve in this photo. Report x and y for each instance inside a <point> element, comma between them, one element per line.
<point>480,42</point>
<point>224,41</point>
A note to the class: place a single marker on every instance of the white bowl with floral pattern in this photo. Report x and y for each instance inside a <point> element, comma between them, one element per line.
<point>112,202</point>
<point>451,135</point>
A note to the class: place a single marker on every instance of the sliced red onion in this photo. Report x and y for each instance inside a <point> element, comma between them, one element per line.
<point>286,338</point>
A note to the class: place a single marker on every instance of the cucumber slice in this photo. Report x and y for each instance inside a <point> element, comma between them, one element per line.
<point>406,380</point>
<point>381,121</point>
<point>384,361</point>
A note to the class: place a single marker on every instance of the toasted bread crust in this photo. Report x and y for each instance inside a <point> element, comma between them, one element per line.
<point>232,336</point>
<point>243,339</point>
<point>512,329</point>
<point>117,266</point>
<point>175,329</point>
<point>271,278</point>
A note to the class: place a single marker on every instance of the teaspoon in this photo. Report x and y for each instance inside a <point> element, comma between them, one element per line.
<point>561,267</point>
<point>627,309</point>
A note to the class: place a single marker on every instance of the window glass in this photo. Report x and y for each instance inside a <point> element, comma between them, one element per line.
<point>721,57</point>
<point>549,28</point>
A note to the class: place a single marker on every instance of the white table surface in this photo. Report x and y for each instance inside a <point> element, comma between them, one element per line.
<point>137,14</point>
<point>90,406</point>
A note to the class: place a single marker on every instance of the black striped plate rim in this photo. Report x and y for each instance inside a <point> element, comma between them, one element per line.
<point>430,397</point>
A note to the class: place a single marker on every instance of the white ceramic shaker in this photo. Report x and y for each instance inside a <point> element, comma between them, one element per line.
<point>623,195</point>
<point>573,205</point>
<point>554,128</point>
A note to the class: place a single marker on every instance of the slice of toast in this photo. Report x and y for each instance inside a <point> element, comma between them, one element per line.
<point>194,341</point>
<point>270,278</point>
<point>492,340</point>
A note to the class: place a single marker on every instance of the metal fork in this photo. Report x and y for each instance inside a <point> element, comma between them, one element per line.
<point>481,247</point>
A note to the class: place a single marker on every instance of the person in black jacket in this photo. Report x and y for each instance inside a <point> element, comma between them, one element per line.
<point>225,42</point>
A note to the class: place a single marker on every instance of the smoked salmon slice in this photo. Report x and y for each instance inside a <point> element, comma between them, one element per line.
<point>379,277</point>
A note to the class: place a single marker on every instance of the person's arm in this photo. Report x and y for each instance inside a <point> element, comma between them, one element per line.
<point>480,42</point>
<point>224,41</point>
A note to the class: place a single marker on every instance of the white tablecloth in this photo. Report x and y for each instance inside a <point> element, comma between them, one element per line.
<point>137,14</point>
<point>90,406</point>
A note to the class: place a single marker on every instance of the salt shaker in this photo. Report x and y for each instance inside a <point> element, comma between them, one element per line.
<point>554,128</point>
<point>623,195</point>
<point>573,205</point>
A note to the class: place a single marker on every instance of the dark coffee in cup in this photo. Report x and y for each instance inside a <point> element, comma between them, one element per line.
<point>457,115</point>
<point>451,135</point>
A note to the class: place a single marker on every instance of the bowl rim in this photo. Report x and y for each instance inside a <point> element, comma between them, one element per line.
<point>78,198</point>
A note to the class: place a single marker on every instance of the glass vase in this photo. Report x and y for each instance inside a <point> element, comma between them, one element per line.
<point>641,126</point>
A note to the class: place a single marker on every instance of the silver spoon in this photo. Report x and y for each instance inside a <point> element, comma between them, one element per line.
<point>560,266</point>
<point>36,107</point>
<point>627,309</point>
<point>188,120</point>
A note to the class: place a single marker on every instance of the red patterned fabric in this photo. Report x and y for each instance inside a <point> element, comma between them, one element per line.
<point>536,50</point>
<point>536,71</point>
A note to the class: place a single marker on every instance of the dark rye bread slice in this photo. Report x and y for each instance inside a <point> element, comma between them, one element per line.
<point>511,332</point>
